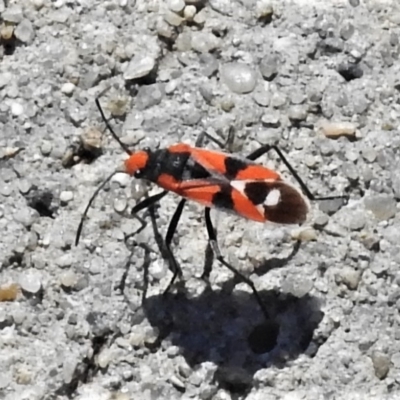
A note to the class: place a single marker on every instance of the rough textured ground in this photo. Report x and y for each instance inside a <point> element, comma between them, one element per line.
<point>294,73</point>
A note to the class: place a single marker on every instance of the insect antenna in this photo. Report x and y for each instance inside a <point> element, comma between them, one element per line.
<point>114,135</point>
<point>124,147</point>
<point>97,191</point>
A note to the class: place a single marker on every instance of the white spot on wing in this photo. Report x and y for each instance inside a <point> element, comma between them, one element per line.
<point>239,185</point>
<point>273,198</point>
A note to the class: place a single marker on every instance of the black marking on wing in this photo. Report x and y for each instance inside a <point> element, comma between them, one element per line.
<point>223,198</point>
<point>233,166</point>
<point>257,192</point>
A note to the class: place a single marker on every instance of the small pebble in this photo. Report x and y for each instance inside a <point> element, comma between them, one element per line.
<point>8,292</point>
<point>173,19</point>
<point>30,281</point>
<point>38,4</point>
<point>297,286</point>
<point>269,67</point>
<point>271,120</point>
<point>239,77</point>
<point>278,100</point>
<point>189,13</point>
<point>381,363</point>
<point>65,261</point>
<point>122,179</point>
<point>139,67</point>
<point>91,140</point>
<point>5,189</point>
<point>224,7</point>
<point>46,147</point>
<point>227,104</point>
<point>297,113</point>
<point>171,86</point>
<point>24,31</point>
<point>321,221</point>
<point>204,42</point>
<point>157,269</point>
<point>120,205</point>
<point>68,88</point>
<point>17,109</point>
<point>105,357</point>
<point>25,216</point>
<point>369,154</point>
<point>304,234</point>
<point>177,382</point>
<point>350,277</point>
<point>334,130</point>
<point>264,10</point>
<point>68,279</point>
<point>262,97</point>
<point>176,6</point>
<point>70,364</point>
<point>24,186</point>
<point>149,96</point>
<point>200,17</point>
<point>382,206</point>
<point>66,196</point>
<point>13,14</point>
<point>357,221</point>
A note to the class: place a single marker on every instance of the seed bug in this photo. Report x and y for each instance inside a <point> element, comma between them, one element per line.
<point>215,180</point>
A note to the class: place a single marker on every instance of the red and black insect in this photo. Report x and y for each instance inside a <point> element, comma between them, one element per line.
<point>215,179</point>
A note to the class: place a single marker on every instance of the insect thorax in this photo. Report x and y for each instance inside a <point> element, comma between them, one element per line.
<point>179,165</point>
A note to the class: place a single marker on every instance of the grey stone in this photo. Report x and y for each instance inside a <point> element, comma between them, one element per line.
<point>382,206</point>
<point>149,96</point>
<point>269,67</point>
<point>140,66</point>
<point>25,31</point>
<point>13,14</point>
<point>239,77</point>
<point>381,363</point>
<point>30,281</point>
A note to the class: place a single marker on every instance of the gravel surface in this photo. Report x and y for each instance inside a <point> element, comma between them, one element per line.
<point>320,78</point>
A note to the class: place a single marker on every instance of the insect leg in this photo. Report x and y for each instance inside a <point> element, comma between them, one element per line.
<point>214,244</point>
<point>175,268</point>
<point>266,148</point>
<point>146,203</point>
<point>222,145</point>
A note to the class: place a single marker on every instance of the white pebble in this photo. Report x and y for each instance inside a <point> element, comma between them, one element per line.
<point>171,86</point>
<point>304,234</point>
<point>30,281</point>
<point>69,278</point>
<point>176,6</point>
<point>264,9</point>
<point>68,88</point>
<point>173,19</point>
<point>120,205</point>
<point>38,4</point>
<point>105,357</point>
<point>189,12</point>
<point>157,269</point>
<point>66,196</point>
<point>17,109</point>
<point>239,77</point>
<point>122,179</point>
<point>139,66</point>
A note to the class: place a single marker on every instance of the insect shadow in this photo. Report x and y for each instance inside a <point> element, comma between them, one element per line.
<point>228,330</point>
<point>227,327</point>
